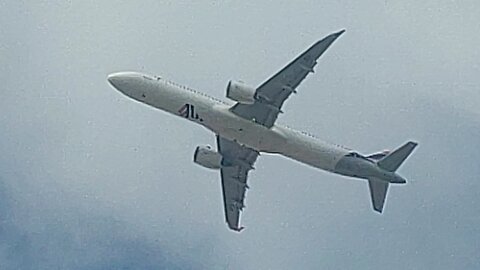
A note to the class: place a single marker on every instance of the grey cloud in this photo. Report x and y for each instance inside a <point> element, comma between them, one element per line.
<point>90,179</point>
<point>54,235</point>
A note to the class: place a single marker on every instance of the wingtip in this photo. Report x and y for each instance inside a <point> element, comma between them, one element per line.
<point>330,38</point>
<point>413,143</point>
<point>340,32</point>
<point>240,229</point>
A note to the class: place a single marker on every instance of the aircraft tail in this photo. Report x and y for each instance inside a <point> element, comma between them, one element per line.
<point>378,193</point>
<point>393,160</point>
<point>390,162</point>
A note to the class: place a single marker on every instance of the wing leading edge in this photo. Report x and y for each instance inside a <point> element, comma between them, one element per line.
<point>271,95</point>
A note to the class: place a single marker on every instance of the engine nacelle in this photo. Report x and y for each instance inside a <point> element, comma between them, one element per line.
<point>240,92</point>
<point>208,158</point>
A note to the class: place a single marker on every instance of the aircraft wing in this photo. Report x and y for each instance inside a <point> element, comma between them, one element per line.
<point>237,162</point>
<point>271,95</point>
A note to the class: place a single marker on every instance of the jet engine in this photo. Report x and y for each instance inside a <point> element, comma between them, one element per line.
<point>208,158</point>
<point>240,92</point>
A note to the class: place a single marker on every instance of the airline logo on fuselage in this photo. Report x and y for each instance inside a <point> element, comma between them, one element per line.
<point>188,111</point>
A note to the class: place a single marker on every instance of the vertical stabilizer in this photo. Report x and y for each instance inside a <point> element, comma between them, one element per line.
<point>378,192</point>
<point>393,160</point>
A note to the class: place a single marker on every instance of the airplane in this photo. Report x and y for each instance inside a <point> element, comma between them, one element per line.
<point>245,127</point>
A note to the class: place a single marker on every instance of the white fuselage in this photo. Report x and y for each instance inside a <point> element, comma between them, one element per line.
<point>215,115</point>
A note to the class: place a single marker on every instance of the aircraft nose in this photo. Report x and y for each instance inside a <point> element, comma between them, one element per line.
<point>126,82</point>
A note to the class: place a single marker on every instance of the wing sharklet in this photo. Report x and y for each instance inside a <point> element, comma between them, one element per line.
<point>238,229</point>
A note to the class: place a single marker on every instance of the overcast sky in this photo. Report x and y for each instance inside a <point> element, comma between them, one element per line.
<point>92,180</point>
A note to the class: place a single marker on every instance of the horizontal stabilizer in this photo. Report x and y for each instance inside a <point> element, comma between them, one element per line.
<point>378,192</point>
<point>393,160</point>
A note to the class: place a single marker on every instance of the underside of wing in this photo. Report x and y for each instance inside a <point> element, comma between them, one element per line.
<point>270,96</point>
<point>237,162</point>
<point>234,187</point>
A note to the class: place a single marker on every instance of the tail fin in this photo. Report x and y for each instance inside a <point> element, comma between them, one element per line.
<point>378,192</point>
<point>393,160</point>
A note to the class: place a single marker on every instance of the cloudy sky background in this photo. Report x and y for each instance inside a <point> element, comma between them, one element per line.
<point>92,180</point>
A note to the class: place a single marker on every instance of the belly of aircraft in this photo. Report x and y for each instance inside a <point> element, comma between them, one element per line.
<point>245,132</point>
<point>277,139</point>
